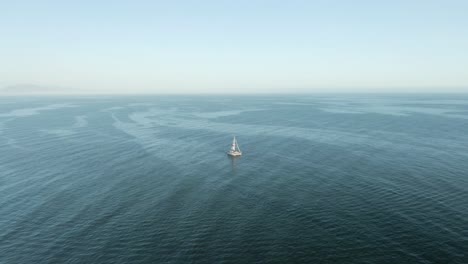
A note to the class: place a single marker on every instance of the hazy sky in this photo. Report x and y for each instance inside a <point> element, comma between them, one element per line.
<point>235,46</point>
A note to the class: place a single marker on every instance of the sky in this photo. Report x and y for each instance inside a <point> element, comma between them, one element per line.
<point>240,46</point>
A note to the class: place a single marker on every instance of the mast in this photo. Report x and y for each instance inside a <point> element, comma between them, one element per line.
<point>237,145</point>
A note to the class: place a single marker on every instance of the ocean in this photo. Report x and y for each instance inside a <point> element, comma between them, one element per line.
<point>323,179</point>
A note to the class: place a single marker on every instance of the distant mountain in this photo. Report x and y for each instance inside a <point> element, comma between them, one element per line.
<point>32,89</point>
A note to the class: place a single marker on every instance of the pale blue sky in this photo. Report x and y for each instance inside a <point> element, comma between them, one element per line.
<point>236,46</point>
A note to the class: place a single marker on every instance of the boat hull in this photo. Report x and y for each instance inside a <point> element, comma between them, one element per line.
<point>234,153</point>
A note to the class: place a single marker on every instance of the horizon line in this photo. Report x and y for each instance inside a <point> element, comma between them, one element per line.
<point>232,93</point>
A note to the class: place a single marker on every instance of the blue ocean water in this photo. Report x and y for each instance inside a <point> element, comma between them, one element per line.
<point>146,179</point>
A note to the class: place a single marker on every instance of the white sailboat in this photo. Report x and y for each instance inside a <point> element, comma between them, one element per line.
<point>235,150</point>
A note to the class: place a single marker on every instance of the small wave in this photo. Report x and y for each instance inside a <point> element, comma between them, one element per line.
<point>58,132</point>
<point>80,121</point>
<point>223,113</point>
<point>23,112</point>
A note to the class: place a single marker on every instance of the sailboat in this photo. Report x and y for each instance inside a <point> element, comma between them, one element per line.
<point>235,150</point>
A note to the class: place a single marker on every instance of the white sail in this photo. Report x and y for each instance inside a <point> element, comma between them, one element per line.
<point>233,146</point>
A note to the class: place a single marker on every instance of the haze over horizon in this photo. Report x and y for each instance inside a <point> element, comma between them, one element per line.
<point>233,47</point>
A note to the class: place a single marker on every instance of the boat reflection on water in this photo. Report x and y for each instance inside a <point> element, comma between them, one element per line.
<point>234,162</point>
